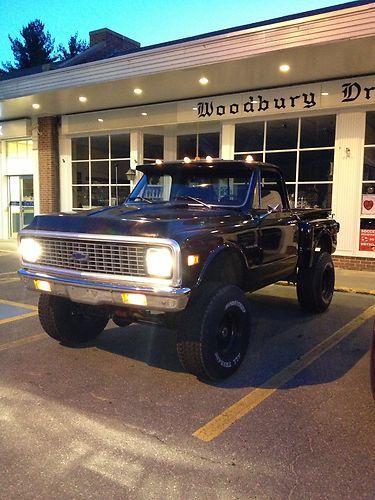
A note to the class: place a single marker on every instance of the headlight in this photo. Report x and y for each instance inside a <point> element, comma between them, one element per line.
<point>159,262</point>
<point>30,249</point>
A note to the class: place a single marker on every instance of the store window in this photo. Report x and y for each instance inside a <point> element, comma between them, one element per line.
<point>153,148</point>
<point>302,147</point>
<point>367,232</point>
<point>99,170</point>
<point>201,145</point>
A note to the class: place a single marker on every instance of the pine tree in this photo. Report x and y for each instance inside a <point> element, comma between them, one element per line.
<point>74,47</point>
<point>36,47</point>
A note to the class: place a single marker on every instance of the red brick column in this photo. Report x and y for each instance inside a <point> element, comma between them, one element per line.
<point>48,150</point>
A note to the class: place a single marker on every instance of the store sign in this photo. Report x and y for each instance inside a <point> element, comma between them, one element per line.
<point>367,240</point>
<point>335,94</point>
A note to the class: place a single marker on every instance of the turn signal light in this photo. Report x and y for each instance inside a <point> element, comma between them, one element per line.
<point>43,286</point>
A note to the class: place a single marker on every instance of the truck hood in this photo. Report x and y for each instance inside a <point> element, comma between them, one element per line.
<point>174,221</point>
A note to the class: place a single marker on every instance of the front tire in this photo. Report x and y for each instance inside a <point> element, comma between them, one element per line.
<point>69,322</point>
<point>214,332</point>
<point>315,285</point>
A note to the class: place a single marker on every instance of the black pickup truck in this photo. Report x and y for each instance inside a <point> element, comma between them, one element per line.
<point>191,239</point>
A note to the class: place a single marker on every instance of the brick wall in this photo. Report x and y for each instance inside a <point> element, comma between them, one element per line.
<point>48,145</point>
<point>355,263</point>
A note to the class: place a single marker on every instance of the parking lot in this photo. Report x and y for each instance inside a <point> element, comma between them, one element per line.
<point>119,418</point>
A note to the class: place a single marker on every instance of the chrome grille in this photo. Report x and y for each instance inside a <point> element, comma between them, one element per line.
<point>94,256</point>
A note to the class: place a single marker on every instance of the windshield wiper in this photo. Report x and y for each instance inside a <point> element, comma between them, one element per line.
<point>141,198</point>
<point>187,197</point>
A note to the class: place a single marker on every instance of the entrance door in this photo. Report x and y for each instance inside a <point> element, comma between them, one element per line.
<point>21,202</point>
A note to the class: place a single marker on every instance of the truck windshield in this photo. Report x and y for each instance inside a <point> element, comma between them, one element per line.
<point>206,189</point>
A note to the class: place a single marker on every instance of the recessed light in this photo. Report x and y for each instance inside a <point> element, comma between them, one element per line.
<point>324,93</point>
<point>36,105</point>
<point>203,80</point>
<point>284,68</point>
<point>137,91</point>
<point>195,109</point>
<point>144,114</point>
<point>100,120</point>
<point>82,98</point>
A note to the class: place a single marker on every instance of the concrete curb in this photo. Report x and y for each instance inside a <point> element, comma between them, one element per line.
<point>344,289</point>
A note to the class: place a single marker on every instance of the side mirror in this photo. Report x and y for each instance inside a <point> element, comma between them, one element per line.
<point>270,210</point>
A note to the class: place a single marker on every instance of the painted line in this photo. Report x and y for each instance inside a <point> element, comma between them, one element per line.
<point>20,342</point>
<point>8,251</point>
<point>8,280</point>
<point>230,415</point>
<point>10,272</point>
<point>18,304</point>
<point>18,317</point>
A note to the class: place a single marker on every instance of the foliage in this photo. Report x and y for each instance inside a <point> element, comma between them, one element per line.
<point>74,47</point>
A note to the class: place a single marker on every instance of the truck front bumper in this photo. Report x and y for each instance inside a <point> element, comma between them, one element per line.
<point>135,296</point>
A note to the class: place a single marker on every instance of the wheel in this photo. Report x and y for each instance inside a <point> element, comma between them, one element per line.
<point>68,321</point>
<point>315,286</point>
<point>214,331</point>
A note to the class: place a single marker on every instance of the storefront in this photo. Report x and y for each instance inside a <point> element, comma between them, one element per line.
<point>321,134</point>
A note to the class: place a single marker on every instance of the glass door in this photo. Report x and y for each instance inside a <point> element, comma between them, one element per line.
<point>21,202</point>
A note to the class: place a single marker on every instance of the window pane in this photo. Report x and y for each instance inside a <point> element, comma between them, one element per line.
<point>118,171</point>
<point>100,147</point>
<point>368,188</point>
<point>186,146</point>
<point>99,172</point>
<point>118,194</point>
<point>287,163</point>
<point>369,166</point>
<point>249,136</point>
<point>282,134</point>
<point>99,196</point>
<point>314,195</point>
<point>291,189</point>
<point>318,131</point>
<point>80,148</point>
<point>80,197</point>
<point>370,128</point>
<point>153,146</point>
<point>256,156</point>
<point>316,165</point>
<point>80,173</point>
<point>209,145</point>
<point>120,146</point>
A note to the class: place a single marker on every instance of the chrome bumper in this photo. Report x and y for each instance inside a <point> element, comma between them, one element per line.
<point>163,299</point>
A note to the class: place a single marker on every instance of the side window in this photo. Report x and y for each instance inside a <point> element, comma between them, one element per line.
<point>271,190</point>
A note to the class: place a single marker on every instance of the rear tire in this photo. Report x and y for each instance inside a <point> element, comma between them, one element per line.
<point>315,285</point>
<point>69,322</point>
<point>213,335</point>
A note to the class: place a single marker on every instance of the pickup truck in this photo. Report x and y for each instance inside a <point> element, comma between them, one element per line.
<point>182,251</point>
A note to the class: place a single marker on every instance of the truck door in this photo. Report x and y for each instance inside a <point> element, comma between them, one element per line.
<point>278,228</point>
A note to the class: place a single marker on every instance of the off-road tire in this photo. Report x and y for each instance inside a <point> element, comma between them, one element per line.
<point>69,322</point>
<point>315,285</point>
<point>213,334</point>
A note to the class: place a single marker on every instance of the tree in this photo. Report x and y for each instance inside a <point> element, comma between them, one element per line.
<point>36,47</point>
<point>75,46</point>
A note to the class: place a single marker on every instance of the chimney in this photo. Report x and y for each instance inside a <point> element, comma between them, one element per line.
<point>112,40</point>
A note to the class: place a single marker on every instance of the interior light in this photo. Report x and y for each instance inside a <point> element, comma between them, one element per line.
<point>284,68</point>
<point>203,80</point>
<point>187,159</point>
<point>249,159</point>
<point>36,105</point>
<point>82,98</point>
<point>138,91</point>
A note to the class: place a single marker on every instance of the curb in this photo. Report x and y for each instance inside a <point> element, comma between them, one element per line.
<point>344,289</point>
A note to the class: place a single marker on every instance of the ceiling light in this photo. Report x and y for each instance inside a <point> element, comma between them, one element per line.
<point>137,91</point>
<point>100,120</point>
<point>203,80</point>
<point>284,68</point>
<point>144,113</point>
<point>82,98</point>
<point>195,109</point>
<point>324,93</point>
<point>36,105</point>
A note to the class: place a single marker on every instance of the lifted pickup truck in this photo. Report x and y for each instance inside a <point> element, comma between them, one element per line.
<point>183,249</point>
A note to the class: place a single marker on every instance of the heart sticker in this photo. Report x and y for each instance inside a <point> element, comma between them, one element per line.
<point>368,204</point>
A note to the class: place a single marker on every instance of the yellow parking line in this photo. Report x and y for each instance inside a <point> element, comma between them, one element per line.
<point>18,304</point>
<point>24,341</point>
<point>230,415</point>
<point>4,281</point>
<point>16,318</point>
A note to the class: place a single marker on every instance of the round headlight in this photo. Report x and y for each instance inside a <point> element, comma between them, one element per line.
<point>159,262</point>
<point>30,249</point>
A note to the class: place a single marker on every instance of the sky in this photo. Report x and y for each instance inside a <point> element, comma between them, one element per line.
<point>147,21</point>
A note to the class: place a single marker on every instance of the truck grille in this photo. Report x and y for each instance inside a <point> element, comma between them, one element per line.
<point>94,256</point>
